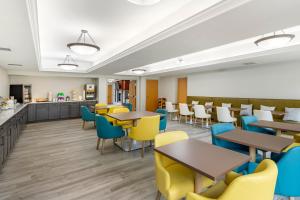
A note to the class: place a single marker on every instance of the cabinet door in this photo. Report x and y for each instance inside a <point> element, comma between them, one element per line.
<point>54,111</point>
<point>64,110</point>
<point>74,110</point>
<point>31,117</point>
<point>1,147</point>
<point>42,112</point>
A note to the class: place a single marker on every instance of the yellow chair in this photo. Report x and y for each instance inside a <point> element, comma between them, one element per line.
<point>173,180</point>
<point>111,110</point>
<point>297,137</point>
<point>101,111</point>
<point>295,144</point>
<point>146,130</point>
<point>124,124</point>
<point>257,186</point>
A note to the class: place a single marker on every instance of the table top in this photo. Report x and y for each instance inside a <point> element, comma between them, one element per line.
<point>206,159</point>
<point>132,115</point>
<point>257,140</point>
<point>277,125</point>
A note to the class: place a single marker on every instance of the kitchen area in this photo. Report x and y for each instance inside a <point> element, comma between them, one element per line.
<point>37,99</point>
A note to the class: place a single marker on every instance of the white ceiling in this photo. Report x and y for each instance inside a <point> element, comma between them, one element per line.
<point>133,36</point>
<point>16,34</point>
<point>115,25</point>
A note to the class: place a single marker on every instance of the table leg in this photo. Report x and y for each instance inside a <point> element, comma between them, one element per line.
<point>252,153</point>
<point>278,132</point>
<point>198,183</point>
<point>232,113</point>
<point>191,119</point>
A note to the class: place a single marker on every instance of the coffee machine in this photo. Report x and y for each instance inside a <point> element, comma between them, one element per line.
<point>90,91</point>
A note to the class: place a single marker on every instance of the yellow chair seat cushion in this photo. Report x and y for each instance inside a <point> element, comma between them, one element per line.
<point>110,119</point>
<point>182,181</point>
<point>101,112</point>
<point>124,124</point>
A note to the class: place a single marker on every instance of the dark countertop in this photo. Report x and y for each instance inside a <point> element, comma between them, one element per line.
<point>62,101</point>
<point>5,115</point>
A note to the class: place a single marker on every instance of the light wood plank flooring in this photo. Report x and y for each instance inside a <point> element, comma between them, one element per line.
<point>59,160</point>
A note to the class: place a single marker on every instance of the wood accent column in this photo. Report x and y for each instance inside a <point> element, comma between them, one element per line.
<point>151,95</point>
<point>132,94</point>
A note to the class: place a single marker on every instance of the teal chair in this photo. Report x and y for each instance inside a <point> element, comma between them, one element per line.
<point>288,180</point>
<point>220,128</point>
<point>87,115</point>
<point>163,119</point>
<point>128,105</point>
<point>246,120</point>
<point>105,130</point>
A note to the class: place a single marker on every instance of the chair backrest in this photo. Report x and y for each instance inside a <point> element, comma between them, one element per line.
<point>246,120</point>
<point>184,109</point>
<point>220,128</point>
<point>86,114</point>
<point>103,127</point>
<point>209,106</point>
<point>195,102</point>
<point>101,104</point>
<point>162,111</point>
<point>227,105</point>
<point>128,105</point>
<point>289,174</point>
<point>120,110</point>
<point>148,128</point>
<point>223,114</point>
<point>200,111</point>
<point>263,115</point>
<point>161,162</point>
<point>169,106</point>
<point>111,109</point>
<point>259,185</point>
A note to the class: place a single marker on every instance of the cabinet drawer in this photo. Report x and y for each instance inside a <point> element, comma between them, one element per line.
<point>54,111</point>
<point>42,112</point>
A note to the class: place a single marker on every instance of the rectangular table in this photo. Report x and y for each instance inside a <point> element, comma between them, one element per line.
<point>205,159</point>
<point>278,126</point>
<point>256,141</point>
<point>132,116</point>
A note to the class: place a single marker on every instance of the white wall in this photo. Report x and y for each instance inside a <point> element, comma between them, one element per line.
<point>167,88</point>
<point>275,81</point>
<point>41,85</point>
<point>4,83</point>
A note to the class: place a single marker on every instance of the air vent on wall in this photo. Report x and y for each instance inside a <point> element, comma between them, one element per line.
<point>4,49</point>
<point>249,63</point>
<point>16,65</point>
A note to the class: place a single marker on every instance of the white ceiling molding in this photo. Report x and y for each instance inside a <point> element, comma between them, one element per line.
<point>213,11</point>
<point>34,25</point>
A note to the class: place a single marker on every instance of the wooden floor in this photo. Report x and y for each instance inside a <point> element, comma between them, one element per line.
<point>58,160</point>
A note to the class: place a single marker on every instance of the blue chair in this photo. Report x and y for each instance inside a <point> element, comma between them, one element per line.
<point>163,119</point>
<point>106,130</point>
<point>128,105</point>
<point>220,128</point>
<point>87,115</point>
<point>246,120</point>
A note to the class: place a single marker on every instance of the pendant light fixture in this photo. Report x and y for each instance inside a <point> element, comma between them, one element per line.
<point>144,2</point>
<point>138,71</point>
<point>68,64</point>
<point>82,46</point>
<point>275,40</point>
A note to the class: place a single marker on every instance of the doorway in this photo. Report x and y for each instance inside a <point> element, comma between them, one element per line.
<point>151,95</point>
<point>182,90</point>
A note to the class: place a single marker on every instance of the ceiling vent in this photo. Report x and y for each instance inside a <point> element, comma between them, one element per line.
<point>4,49</point>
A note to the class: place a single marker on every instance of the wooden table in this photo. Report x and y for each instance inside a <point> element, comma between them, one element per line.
<point>132,116</point>
<point>206,159</point>
<point>256,141</point>
<point>233,110</point>
<point>278,126</point>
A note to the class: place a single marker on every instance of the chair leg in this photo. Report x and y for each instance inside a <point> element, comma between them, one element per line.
<point>83,124</point>
<point>122,141</point>
<point>143,149</point>
<point>102,146</point>
<point>130,144</point>
<point>94,124</point>
<point>291,198</point>
<point>98,143</point>
<point>158,195</point>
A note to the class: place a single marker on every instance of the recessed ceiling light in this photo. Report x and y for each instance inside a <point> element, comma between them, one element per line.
<point>4,49</point>
<point>68,64</point>
<point>17,65</point>
<point>144,2</point>
<point>274,41</point>
<point>138,71</point>
<point>82,47</point>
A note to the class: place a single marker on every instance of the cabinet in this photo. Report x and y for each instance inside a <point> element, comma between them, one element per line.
<point>1,147</point>
<point>54,111</point>
<point>74,110</point>
<point>64,111</point>
<point>31,112</point>
<point>42,112</point>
